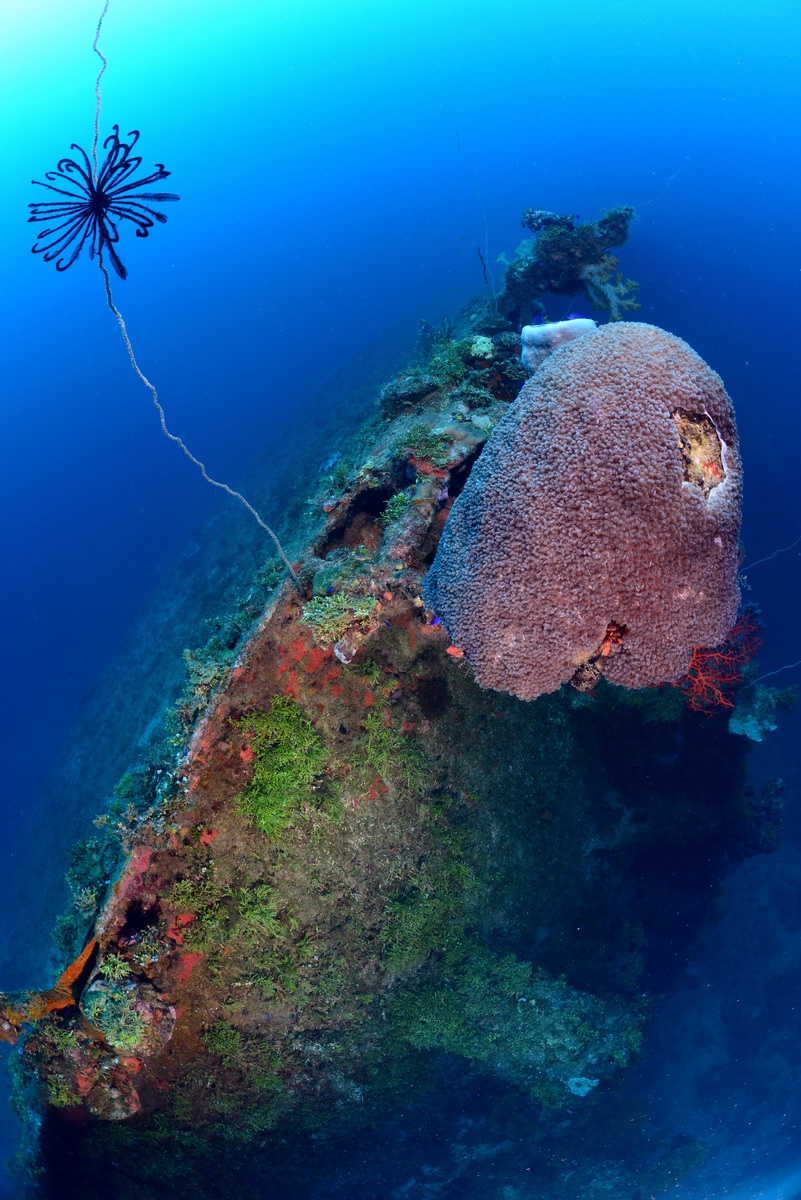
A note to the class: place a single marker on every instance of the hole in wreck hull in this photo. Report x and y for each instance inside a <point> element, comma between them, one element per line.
<point>461,473</point>
<point>138,918</point>
<point>360,525</point>
<point>458,479</point>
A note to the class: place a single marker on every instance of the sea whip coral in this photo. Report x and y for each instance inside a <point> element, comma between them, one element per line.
<point>598,532</point>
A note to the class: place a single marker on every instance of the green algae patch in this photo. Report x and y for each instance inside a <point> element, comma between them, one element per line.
<point>533,1030</point>
<point>224,1040</point>
<point>421,441</point>
<point>417,924</point>
<point>396,507</point>
<point>391,755</point>
<point>114,968</point>
<point>330,617</point>
<point>108,1007</point>
<point>289,761</point>
<point>660,703</point>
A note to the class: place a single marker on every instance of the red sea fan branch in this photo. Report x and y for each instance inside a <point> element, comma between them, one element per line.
<point>717,672</point>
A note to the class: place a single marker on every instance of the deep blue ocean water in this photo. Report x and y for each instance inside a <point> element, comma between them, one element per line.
<point>325,209</point>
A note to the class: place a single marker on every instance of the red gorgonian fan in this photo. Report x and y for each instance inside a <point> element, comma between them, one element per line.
<point>96,202</point>
<point>716,672</point>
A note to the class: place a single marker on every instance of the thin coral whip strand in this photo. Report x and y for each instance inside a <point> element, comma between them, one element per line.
<point>102,56</point>
<point>99,197</point>
<point>180,443</point>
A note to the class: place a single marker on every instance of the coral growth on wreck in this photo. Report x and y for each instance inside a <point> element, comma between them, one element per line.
<point>353,894</point>
<point>569,259</point>
<point>595,535</point>
<point>716,673</point>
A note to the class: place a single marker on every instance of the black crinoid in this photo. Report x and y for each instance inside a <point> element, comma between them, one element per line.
<point>96,203</point>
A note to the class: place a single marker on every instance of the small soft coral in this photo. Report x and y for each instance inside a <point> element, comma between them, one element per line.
<point>332,616</point>
<point>608,290</point>
<point>564,257</point>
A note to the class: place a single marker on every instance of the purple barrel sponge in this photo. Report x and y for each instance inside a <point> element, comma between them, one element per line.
<point>598,531</point>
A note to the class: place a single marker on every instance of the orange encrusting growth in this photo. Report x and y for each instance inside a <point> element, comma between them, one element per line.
<point>34,1006</point>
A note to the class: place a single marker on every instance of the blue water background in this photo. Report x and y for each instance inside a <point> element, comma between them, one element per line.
<point>325,209</point>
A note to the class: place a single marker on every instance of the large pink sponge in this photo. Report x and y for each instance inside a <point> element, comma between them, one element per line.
<point>598,531</point>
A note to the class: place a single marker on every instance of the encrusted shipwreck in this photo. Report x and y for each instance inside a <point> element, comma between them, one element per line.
<point>602,524</point>
<point>378,924</point>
